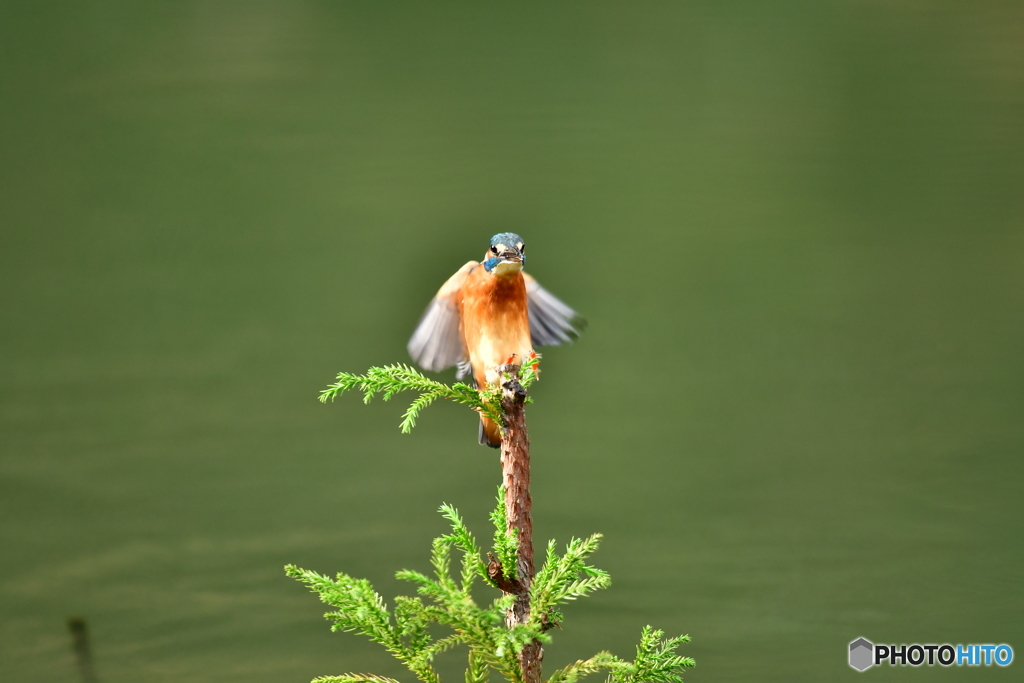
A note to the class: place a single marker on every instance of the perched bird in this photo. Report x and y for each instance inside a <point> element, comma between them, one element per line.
<point>487,312</point>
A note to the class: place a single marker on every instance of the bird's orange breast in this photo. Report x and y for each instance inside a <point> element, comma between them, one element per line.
<point>495,321</point>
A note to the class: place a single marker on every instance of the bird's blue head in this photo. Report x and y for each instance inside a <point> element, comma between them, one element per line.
<point>506,254</point>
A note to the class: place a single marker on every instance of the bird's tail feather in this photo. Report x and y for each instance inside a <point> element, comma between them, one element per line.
<point>489,434</point>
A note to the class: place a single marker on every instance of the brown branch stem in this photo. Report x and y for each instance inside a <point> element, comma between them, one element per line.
<point>515,470</point>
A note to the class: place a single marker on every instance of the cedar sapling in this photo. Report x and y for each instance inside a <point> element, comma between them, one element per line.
<point>507,635</point>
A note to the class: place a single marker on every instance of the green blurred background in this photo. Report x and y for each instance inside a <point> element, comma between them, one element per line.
<point>795,228</point>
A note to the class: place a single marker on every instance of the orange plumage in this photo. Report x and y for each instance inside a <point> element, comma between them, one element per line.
<point>487,312</point>
<point>495,324</point>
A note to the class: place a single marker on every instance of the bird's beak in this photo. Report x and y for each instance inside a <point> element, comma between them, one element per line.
<point>511,256</point>
<point>511,262</point>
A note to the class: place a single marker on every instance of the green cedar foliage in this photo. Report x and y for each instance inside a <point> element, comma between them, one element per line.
<point>447,600</point>
<point>393,379</point>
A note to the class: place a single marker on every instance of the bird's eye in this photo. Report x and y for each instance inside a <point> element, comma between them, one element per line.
<point>522,247</point>
<point>494,249</point>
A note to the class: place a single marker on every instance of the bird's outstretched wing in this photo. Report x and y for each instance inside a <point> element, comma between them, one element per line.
<point>437,342</point>
<point>551,321</point>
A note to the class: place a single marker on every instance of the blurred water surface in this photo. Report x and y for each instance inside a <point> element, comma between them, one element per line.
<point>795,228</point>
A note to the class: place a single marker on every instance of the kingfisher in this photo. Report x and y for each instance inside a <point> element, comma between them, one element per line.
<point>485,314</point>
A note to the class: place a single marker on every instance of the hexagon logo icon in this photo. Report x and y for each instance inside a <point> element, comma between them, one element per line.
<point>862,654</point>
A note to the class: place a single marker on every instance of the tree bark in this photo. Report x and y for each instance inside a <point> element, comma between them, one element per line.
<point>515,470</point>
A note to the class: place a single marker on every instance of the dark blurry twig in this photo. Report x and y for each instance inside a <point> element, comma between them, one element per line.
<point>80,645</point>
